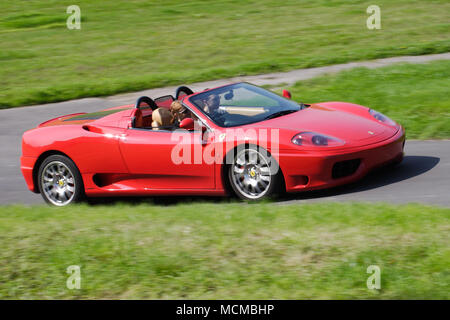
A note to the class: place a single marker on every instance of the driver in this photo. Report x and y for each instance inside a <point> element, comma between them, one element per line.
<point>211,105</point>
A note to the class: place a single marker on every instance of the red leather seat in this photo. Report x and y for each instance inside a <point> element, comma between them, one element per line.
<point>138,121</point>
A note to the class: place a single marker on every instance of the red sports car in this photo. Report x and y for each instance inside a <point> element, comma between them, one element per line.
<point>235,138</point>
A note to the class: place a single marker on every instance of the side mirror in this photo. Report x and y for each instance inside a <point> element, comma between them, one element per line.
<point>229,95</point>
<point>287,94</point>
<point>187,124</point>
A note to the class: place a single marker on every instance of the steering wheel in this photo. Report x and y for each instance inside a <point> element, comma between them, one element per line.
<point>148,101</point>
<point>181,90</point>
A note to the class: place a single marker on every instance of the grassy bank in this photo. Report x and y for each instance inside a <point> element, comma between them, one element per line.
<point>417,96</point>
<point>132,45</point>
<point>226,250</point>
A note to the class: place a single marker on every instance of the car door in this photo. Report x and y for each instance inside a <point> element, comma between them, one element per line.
<point>158,159</point>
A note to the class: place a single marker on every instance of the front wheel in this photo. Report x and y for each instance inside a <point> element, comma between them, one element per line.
<point>60,181</point>
<point>254,174</point>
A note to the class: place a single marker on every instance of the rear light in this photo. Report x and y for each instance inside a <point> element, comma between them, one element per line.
<point>316,139</point>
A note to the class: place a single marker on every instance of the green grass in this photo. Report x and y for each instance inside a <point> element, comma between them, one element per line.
<point>132,45</point>
<point>417,96</point>
<point>242,251</point>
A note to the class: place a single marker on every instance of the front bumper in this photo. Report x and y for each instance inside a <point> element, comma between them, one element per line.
<point>314,170</point>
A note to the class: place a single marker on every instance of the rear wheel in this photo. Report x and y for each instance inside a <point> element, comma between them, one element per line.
<point>254,174</point>
<point>60,181</point>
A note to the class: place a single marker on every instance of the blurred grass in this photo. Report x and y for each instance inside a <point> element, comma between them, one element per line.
<point>415,95</point>
<point>225,251</point>
<point>133,45</point>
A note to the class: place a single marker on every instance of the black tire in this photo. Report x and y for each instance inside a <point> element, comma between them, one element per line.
<point>62,187</point>
<point>250,184</point>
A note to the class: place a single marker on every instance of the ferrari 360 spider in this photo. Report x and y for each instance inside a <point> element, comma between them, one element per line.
<point>237,138</point>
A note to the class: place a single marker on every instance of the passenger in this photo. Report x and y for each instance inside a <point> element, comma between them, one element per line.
<point>179,112</point>
<point>161,118</point>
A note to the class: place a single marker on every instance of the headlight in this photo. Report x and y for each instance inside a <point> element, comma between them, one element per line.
<point>381,117</point>
<point>316,139</point>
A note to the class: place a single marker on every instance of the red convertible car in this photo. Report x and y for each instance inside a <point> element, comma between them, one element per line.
<point>237,138</point>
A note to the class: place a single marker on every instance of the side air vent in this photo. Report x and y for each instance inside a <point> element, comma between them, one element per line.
<point>92,129</point>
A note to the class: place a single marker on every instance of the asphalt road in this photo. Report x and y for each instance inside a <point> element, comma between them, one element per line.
<point>424,175</point>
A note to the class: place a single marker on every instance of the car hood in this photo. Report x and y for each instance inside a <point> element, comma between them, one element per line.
<point>354,129</point>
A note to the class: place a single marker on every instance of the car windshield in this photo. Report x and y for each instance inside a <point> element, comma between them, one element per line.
<point>242,103</point>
